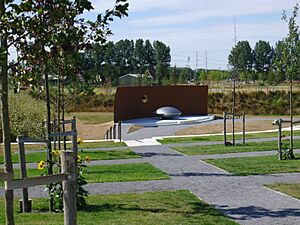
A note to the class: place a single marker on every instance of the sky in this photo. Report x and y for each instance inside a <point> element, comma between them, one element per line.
<point>200,33</point>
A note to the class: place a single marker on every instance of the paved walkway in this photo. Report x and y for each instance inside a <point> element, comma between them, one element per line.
<point>245,199</point>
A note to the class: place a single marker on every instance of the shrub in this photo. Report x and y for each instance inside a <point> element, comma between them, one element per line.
<point>26,116</point>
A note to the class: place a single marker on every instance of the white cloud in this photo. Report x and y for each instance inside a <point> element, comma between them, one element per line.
<point>192,10</point>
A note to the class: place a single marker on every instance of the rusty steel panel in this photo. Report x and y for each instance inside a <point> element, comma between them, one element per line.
<point>141,102</point>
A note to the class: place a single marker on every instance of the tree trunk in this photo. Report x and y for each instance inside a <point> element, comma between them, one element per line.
<point>9,195</point>
<point>48,130</point>
<point>291,119</point>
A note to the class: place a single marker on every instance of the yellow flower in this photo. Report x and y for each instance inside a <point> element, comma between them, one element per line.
<point>79,141</point>
<point>55,153</point>
<point>41,165</point>
<point>78,158</point>
<point>88,158</point>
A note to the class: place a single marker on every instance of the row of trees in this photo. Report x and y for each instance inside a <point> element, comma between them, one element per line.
<point>268,63</point>
<point>112,60</point>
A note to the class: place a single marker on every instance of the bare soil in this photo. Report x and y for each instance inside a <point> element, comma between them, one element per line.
<point>88,131</point>
<point>258,125</point>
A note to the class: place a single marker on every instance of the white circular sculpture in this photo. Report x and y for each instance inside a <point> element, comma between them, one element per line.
<point>167,112</point>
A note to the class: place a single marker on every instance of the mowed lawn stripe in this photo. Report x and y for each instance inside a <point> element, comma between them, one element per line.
<point>221,149</point>
<point>256,165</point>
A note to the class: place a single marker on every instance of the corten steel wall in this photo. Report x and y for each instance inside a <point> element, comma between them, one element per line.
<point>130,102</point>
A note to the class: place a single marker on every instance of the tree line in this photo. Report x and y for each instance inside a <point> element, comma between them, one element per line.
<point>106,63</point>
<point>266,63</point>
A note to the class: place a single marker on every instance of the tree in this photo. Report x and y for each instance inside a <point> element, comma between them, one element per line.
<point>290,60</point>
<point>149,56</point>
<point>280,69</point>
<point>162,57</point>
<point>241,57</point>
<point>263,54</point>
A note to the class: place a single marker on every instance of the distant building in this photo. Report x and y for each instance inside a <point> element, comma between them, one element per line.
<point>136,80</point>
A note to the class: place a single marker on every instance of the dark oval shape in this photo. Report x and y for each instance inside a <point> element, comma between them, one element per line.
<point>167,112</point>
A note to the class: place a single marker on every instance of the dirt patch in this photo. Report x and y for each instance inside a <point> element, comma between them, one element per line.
<point>218,128</point>
<point>88,131</point>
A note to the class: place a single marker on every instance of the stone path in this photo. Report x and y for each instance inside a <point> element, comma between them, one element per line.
<point>243,198</point>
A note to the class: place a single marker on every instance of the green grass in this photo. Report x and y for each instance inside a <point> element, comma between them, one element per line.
<point>256,165</point>
<point>83,145</point>
<point>175,140</point>
<point>103,144</point>
<point>94,117</point>
<point>110,155</point>
<point>111,173</point>
<point>124,172</point>
<point>221,149</point>
<point>160,208</point>
<point>289,189</point>
<point>36,157</point>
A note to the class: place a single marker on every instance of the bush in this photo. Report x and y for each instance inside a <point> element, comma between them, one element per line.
<point>259,102</point>
<point>26,116</point>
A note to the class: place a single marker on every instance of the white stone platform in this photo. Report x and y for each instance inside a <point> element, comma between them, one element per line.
<point>155,121</point>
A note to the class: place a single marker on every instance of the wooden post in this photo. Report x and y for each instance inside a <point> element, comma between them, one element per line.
<point>74,138</point>
<point>69,188</point>
<point>120,130</point>
<point>26,206</point>
<point>279,140</point>
<point>110,133</point>
<point>107,134</point>
<point>54,130</point>
<point>244,128</point>
<point>233,138</point>
<point>114,129</point>
<point>224,129</point>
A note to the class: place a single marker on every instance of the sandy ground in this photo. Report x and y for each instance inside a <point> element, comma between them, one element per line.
<point>218,128</point>
<point>88,131</point>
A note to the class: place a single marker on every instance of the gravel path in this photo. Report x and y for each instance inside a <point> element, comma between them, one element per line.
<point>244,199</point>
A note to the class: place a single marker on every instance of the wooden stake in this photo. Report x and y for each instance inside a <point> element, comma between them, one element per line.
<point>69,188</point>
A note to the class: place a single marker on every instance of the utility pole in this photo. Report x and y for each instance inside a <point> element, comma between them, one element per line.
<point>206,62</point>
<point>234,81</point>
<point>234,71</point>
<point>195,77</point>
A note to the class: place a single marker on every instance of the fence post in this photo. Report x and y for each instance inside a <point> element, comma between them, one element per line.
<point>244,128</point>
<point>74,138</point>
<point>54,130</point>
<point>120,130</point>
<point>279,140</point>
<point>110,133</point>
<point>26,203</point>
<point>233,137</point>
<point>224,129</point>
<point>114,129</point>
<point>69,188</point>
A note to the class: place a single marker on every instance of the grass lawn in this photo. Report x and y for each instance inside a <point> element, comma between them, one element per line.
<point>36,157</point>
<point>176,140</point>
<point>111,173</point>
<point>103,144</point>
<point>93,117</point>
<point>221,149</point>
<point>160,208</point>
<point>256,165</point>
<point>84,145</point>
<point>124,172</point>
<point>289,189</point>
